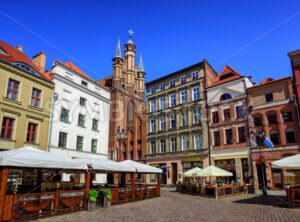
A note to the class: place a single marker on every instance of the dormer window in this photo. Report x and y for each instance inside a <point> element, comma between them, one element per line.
<point>225,76</point>
<point>84,83</point>
<point>26,68</point>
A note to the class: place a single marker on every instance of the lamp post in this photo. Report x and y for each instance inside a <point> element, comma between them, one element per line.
<point>121,135</point>
<point>259,143</point>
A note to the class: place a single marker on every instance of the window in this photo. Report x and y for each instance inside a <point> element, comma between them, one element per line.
<point>162,123</point>
<point>196,93</point>
<point>152,125</point>
<point>162,86</point>
<point>94,146</point>
<point>173,121</point>
<point>152,106</point>
<point>79,143</point>
<point>217,138</point>
<point>152,90</point>
<point>241,134</point>
<point>172,83</point>
<point>287,116</point>
<point>152,146</point>
<point>269,97</point>
<point>274,137</point>
<point>195,75</point>
<point>163,148</point>
<point>196,115</point>
<point>173,141</point>
<point>172,100</point>
<point>226,113</point>
<point>35,97</point>
<point>31,133</point>
<point>130,112</point>
<point>257,121</point>
<point>183,79</point>
<point>290,136</point>
<point>215,117</point>
<point>183,97</point>
<point>7,128</point>
<point>185,142</point>
<point>25,68</point>
<point>162,103</point>
<point>225,96</point>
<point>84,83</point>
<point>239,110</point>
<point>81,120</point>
<point>82,101</point>
<point>64,115</point>
<point>12,89</point>
<point>62,140</point>
<point>197,142</point>
<point>272,119</point>
<point>184,118</point>
<point>228,134</point>
<point>95,125</point>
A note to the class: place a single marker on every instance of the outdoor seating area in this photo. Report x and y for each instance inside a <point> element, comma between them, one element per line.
<point>35,183</point>
<point>202,182</point>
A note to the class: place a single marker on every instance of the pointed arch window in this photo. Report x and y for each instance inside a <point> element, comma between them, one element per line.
<point>130,112</point>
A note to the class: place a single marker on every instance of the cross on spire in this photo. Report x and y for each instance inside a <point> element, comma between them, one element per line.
<point>130,32</point>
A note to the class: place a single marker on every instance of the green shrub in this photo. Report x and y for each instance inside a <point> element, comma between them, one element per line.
<point>93,195</point>
<point>107,193</point>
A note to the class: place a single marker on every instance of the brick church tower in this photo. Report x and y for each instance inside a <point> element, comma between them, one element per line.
<point>127,135</point>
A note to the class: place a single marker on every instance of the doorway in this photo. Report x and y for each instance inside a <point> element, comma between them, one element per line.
<point>174,173</point>
<point>261,174</point>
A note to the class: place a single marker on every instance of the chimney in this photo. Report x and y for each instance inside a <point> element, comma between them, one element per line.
<point>39,61</point>
<point>20,48</point>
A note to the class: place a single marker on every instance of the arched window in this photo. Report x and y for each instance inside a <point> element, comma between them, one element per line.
<point>225,96</point>
<point>130,114</point>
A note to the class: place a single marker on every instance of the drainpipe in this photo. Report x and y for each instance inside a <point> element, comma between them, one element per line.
<point>55,97</point>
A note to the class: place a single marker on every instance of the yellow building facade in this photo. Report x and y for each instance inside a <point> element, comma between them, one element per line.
<point>25,102</point>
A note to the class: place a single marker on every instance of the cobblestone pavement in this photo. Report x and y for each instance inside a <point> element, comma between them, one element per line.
<point>172,206</point>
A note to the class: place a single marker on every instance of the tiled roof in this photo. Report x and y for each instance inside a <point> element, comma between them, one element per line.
<point>268,81</point>
<point>227,74</point>
<point>12,55</point>
<point>106,82</point>
<point>71,66</point>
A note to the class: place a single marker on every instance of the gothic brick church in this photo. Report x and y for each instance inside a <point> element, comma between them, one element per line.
<point>127,131</point>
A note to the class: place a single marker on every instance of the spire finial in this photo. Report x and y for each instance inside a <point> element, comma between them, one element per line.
<point>130,32</point>
<point>118,50</point>
<point>141,65</point>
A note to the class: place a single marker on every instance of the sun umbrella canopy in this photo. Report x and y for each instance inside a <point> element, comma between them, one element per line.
<point>35,158</point>
<point>104,165</point>
<point>191,172</point>
<point>140,167</point>
<point>288,163</point>
<point>212,171</point>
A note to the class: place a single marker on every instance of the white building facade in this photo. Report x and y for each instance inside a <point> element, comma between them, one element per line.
<point>80,114</point>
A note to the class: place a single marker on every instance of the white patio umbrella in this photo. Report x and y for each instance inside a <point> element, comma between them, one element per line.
<point>288,163</point>
<point>35,158</point>
<point>140,167</point>
<point>212,171</point>
<point>191,172</point>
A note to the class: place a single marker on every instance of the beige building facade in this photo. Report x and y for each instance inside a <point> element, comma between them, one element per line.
<point>177,121</point>
<point>25,101</point>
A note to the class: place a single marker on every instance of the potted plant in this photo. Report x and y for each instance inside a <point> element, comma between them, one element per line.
<point>106,197</point>
<point>93,195</point>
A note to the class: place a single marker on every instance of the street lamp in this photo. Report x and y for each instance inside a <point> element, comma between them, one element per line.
<point>121,135</point>
<point>259,144</point>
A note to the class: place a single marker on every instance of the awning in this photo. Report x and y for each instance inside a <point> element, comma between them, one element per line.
<point>140,167</point>
<point>35,158</point>
<point>288,163</point>
<point>104,165</point>
<point>212,171</point>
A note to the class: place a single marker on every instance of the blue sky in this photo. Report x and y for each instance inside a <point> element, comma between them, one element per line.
<point>253,37</point>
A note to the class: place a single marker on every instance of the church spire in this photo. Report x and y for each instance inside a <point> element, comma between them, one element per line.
<point>118,50</point>
<point>141,65</point>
